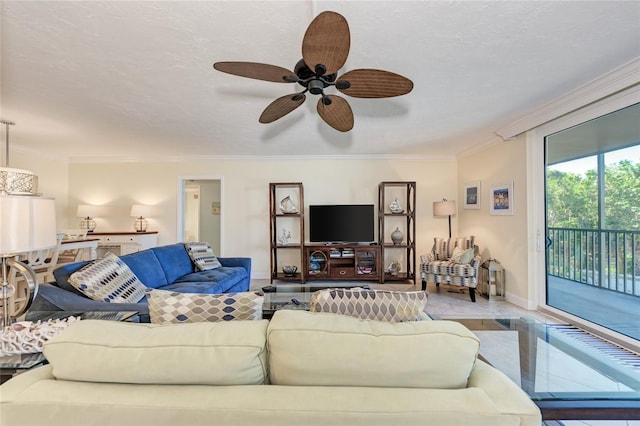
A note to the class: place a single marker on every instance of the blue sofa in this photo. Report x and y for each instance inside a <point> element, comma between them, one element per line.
<point>165,268</point>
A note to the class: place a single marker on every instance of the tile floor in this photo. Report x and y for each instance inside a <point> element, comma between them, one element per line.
<point>446,301</point>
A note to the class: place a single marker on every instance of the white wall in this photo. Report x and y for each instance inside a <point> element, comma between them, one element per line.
<point>245,207</point>
<point>500,237</point>
<point>245,218</point>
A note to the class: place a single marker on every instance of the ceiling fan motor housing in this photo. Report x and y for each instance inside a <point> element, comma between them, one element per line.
<point>312,81</point>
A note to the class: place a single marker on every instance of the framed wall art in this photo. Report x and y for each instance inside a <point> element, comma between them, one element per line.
<point>501,200</point>
<point>472,195</point>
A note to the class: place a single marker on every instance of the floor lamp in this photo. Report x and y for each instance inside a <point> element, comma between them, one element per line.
<point>444,208</point>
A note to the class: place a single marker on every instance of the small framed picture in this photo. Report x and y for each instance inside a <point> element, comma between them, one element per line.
<point>472,195</point>
<point>501,200</point>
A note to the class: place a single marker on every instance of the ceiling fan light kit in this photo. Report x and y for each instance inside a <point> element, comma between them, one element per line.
<point>325,48</point>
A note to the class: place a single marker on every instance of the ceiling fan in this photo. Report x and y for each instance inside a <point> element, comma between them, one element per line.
<point>325,48</point>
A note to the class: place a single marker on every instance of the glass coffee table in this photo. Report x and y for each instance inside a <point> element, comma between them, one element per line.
<point>293,296</point>
<point>12,364</point>
<point>569,373</point>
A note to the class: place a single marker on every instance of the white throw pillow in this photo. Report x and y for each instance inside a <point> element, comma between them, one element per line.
<point>462,256</point>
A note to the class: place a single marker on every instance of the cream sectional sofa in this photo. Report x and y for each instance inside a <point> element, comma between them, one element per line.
<point>300,368</point>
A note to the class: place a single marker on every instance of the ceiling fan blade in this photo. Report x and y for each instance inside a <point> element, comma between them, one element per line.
<point>338,114</point>
<point>370,83</point>
<point>326,41</point>
<point>258,71</point>
<point>281,107</point>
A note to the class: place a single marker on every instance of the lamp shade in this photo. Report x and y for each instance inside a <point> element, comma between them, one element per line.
<point>18,181</point>
<point>27,223</point>
<point>444,208</point>
<point>87,210</point>
<point>140,210</point>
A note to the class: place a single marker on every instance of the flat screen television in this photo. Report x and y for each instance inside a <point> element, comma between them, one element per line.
<point>341,223</point>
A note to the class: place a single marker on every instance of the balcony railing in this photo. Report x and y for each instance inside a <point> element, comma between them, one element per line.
<point>606,259</point>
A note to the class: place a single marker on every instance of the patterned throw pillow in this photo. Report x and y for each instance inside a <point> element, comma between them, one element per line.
<point>380,305</point>
<point>169,307</point>
<point>108,280</point>
<point>443,247</point>
<point>202,256</point>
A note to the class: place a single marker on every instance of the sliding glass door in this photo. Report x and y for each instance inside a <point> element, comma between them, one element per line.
<point>592,193</point>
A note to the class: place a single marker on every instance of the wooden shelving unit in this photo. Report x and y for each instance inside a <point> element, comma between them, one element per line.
<point>292,252</point>
<point>405,221</point>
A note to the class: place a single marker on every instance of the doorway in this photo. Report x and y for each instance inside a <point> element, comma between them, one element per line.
<point>200,211</point>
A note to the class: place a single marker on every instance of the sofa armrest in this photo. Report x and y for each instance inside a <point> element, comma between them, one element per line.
<point>244,262</point>
<point>475,263</point>
<point>507,397</point>
<point>50,297</point>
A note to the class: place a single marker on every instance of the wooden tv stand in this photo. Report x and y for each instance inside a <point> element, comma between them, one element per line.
<point>342,262</point>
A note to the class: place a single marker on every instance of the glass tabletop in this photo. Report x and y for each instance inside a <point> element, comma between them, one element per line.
<point>100,315</point>
<point>566,371</point>
<point>294,296</point>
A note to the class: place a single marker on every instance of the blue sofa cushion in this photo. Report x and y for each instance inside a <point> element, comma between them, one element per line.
<point>174,260</point>
<point>217,280</point>
<point>147,268</point>
<point>63,273</point>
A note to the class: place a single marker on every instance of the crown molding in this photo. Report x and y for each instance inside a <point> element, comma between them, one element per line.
<point>619,79</point>
<point>494,140</point>
<point>206,158</point>
<point>37,153</point>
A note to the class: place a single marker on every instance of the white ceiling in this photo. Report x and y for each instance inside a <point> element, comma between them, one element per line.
<point>135,79</point>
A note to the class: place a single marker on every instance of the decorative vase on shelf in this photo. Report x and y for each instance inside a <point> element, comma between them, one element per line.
<point>397,236</point>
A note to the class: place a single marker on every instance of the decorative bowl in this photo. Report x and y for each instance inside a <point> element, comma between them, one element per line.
<point>289,270</point>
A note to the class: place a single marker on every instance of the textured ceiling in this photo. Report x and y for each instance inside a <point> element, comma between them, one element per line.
<point>135,79</point>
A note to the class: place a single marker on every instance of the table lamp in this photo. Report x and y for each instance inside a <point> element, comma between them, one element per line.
<point>87,212</point>
<point>140,212</point>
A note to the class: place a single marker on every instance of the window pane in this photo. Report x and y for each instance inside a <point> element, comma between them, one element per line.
<point>571,187</point>
<point>593,221</point>
<point>622,189</point>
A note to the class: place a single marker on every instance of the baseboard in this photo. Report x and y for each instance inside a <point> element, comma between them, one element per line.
<point>522,302</point>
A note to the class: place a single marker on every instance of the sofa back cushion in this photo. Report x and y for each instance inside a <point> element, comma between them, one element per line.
<point>443,247</point>
<point>174,260</point>
<point>63,273</point>
<point>144,264</point>
<point>147,268</point>
<point>321,349</point>
<point>223,353</point>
